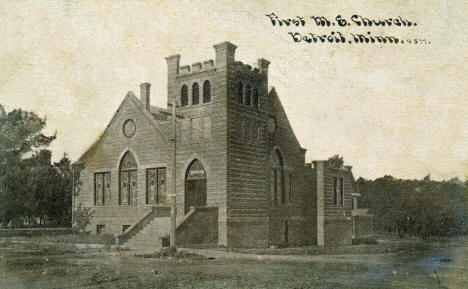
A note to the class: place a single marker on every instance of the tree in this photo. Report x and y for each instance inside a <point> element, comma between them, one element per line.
<point>421,208</point>
<point>21,140</point>
<point>336,162</point>
<point>60,209</point>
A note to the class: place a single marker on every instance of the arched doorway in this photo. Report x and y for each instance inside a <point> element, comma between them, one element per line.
<point>195,186</point>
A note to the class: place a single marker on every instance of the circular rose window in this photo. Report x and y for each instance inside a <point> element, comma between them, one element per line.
<point>129,128</point>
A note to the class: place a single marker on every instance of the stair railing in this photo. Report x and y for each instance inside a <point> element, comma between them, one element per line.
<point>135,228</point>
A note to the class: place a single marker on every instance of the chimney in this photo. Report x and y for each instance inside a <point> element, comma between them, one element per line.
<point>145,94</point>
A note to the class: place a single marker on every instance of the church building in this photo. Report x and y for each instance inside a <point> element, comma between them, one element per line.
<point>225,148</point>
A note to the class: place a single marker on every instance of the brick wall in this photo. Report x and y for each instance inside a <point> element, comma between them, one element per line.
<point>232,142</point>
<point>149,148</point>
<point>334,223</point>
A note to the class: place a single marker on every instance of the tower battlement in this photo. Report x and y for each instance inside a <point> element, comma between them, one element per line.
<point>185,81</point>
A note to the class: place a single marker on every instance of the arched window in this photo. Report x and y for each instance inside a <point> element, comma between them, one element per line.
<point>195,94</point>
<point>277,194</point>
<point>248,95</point>
<point>206,91</point>
<point>128,179</point>
<point>240,91</point>
<point>255,98</point>
<point>184,95</point>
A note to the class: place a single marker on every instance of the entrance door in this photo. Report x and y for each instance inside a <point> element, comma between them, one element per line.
<point>195,186</point>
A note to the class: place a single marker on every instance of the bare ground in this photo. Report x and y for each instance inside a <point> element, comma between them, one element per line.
<point>53,262</point>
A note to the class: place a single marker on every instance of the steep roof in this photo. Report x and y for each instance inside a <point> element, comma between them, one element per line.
<point>150,115</point>
<point>278,110</point>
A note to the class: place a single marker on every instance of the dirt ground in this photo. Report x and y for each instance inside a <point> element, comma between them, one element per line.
<point>51,262</point>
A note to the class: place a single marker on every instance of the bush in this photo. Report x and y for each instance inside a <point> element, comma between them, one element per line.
<point>82,218</point>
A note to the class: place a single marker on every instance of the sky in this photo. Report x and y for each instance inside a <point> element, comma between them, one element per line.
<point>396,109</point>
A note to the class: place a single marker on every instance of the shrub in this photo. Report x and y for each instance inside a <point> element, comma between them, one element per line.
<point>82,218</point>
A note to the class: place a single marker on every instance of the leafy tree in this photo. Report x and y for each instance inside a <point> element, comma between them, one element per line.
<point>60,208</point>
<point>421,208</point>
<point>336,161</point>
<point>21,141</point>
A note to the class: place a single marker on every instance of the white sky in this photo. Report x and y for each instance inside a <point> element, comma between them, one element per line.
<point>388,109</point>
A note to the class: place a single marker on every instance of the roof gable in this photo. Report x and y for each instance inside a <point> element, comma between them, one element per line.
<point>129,98</point>
<point>278,112</point>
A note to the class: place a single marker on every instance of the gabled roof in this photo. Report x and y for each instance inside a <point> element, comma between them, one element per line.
<point>149,115</point>
<point>273,94</point>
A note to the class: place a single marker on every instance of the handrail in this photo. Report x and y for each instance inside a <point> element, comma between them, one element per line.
<point>187,217</point>
<point>133,229</point>
<point>181,221</point>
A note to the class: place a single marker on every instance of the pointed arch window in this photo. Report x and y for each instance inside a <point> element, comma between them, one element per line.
<point>240,90</point>
<point>255,98</point>
<point>206,91</point>
<point>195,94</point>
<point>248,96</point>
<point>128,179</point>
<point>184,95</point>
<point>277,191</point>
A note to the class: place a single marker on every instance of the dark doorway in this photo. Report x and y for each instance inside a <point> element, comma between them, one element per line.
<point>195,186</point>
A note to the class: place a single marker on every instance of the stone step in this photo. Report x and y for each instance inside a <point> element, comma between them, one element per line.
<point>149,236</point>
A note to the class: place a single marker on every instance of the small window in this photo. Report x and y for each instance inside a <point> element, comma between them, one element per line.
<point>341,184</point>
<point>255,98</point>
<point>240,91</point>
<point>338,191</point>
<point>206,91</point>
<point>195,94</point>
<point>248,96</point>
<point>286,232</point>
<point>125,228</point>
<point>184,95</point>
<point>100,229</point>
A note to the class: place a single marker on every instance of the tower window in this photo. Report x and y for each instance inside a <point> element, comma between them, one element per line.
<point>248,95</point>
<point>184,95</point>
<point>255,98</point>
<point>206,91</point>
<point>195,94</point>
<point>240,91</point>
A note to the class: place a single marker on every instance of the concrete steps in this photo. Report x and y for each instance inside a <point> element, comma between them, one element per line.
<point>149,238</point>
